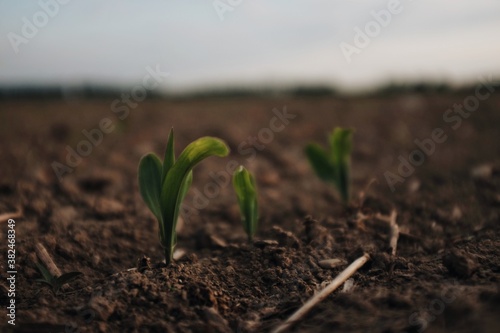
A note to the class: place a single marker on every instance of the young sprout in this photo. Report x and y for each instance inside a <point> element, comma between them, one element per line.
<point>56,282</point>
<point>246,192</point>
<point>333,165</point>
<point>163,186</point>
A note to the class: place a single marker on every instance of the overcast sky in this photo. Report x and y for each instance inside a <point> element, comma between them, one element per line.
<point>256,42</point>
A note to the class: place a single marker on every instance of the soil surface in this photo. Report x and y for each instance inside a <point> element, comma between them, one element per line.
<point>444,277</point>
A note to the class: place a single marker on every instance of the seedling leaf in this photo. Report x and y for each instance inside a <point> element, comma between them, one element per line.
<point>150,171</point>
<point>246,192</point>
<point>186,185</point>
<point>333,165</point>
<point>47,277</point>
<point>169,159</point>
<point>53,281</point>
<point>340,142</point>
<point>341,152</point>
<point>320,163</point>
<point>45,282</point>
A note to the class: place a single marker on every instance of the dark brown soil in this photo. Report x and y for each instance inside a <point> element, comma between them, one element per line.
<point>445,276</point>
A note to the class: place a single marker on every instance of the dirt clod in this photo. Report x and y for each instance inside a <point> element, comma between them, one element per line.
<point>316,234</point>
<point>214,321</point>
<point>143,264</point>
<point>102,307</point>
<point>460,263</point>
<point>286,238</point>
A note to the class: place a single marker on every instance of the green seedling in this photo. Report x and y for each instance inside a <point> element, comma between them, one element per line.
<point>163,186</point>
<point>246,192</point>
<point>333,165</point>
<point>56,282</point>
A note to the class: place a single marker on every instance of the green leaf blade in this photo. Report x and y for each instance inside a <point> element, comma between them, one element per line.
<point>150,171</point>
<point>44,282</point>
<point>341,145</point>
<point>186,184</point>
<point>169,158</point>
<point>47,277</point>
<point>246,192</point>
<point>320,162</point>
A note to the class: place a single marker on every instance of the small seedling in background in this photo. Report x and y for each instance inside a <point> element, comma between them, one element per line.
<point>246,191</point>
<point>163,186</point>
<point>333,165</point>
<point>56,282</point>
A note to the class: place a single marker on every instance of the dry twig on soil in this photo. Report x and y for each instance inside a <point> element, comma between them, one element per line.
<point>394,229</point>
<point>362,194</point>
<point>47,261</point>
<point>394,235</point>
<point>12,215</point>
<point>337,282</point>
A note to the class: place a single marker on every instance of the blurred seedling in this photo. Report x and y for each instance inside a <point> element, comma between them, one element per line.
<point>56,282</point>
<point>163,186</point>
<point>333,164</point>
<point>246,192</point>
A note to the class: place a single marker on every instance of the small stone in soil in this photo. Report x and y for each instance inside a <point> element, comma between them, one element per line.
<point>414,185</point>
<point>456,213</point>
<point>348,286</point>
<point>483,172</point>
<point>105,207</point>
<point>205,240</point>
<point>265,243</point>
<point>179,254</point>
<point>331,263</point>
<point>217,242</point>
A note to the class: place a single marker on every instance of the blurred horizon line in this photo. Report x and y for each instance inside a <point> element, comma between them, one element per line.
<point>13,91</point>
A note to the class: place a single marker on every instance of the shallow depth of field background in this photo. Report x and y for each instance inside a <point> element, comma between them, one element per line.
<point>247,44</point>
